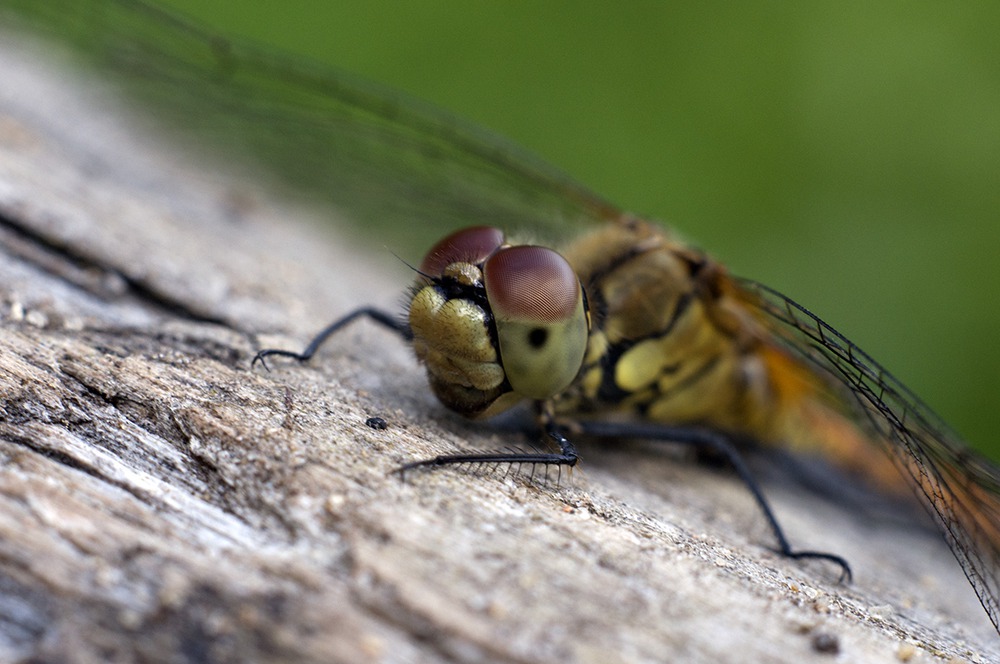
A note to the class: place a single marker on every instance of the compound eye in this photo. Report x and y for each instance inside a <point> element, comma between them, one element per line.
<point>537,304</point>
<point>469,245</point>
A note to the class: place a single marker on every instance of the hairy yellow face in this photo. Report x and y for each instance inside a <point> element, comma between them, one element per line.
<point>495,324</point>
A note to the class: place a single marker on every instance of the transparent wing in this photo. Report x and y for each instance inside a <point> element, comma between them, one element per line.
<point>960,488</point>
<point>395,165</point>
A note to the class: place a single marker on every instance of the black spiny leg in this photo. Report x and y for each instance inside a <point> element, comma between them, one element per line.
<point>566,456</point>
<point>721,445</point>
<point>384,318</point>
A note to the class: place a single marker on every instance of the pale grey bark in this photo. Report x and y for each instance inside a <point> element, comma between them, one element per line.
<point>162,501</point>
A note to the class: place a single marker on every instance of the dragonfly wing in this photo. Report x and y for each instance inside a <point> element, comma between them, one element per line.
<point>395,165</point>
<point>959,487</point>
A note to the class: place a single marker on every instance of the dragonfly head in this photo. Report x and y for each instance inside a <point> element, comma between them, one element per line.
<point>495,323</point>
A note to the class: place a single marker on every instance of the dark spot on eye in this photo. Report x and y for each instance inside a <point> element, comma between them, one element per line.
<point>537,337</point>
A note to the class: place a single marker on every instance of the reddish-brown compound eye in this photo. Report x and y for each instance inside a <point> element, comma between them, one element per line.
<point>469,245</point>
<point>530,283</point>
<point>537,304</point>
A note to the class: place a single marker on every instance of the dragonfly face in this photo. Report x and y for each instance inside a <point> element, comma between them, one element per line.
<point>495,324</point>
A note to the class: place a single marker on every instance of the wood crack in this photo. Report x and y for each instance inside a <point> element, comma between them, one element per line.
<point>107,282</point>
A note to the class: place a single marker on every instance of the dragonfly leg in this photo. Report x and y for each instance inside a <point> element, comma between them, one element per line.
<point>566,456</point>
<point>719,444</point>
<point>384,318</point>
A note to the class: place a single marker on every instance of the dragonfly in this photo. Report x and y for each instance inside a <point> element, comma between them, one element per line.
<point>626,331</point>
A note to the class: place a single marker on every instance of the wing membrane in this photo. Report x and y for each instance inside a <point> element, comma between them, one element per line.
<point>394,164</point>
<point>960,488</point>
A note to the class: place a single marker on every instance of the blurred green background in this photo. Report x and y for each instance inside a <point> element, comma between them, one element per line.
<point>847,154</point>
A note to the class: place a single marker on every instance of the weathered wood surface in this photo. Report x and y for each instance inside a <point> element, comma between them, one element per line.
<point>161,501</point>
